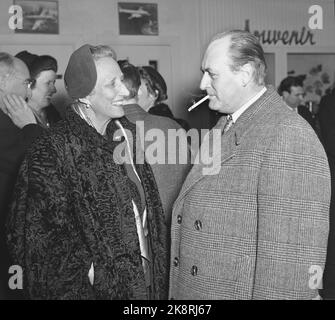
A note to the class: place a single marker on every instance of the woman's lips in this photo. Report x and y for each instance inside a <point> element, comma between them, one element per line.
<point>118,103</point>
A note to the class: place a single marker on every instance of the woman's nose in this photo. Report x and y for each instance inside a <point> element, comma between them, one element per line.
<point>123,91</point>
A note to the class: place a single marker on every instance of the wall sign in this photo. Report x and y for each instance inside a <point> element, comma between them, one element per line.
<point>273,37</point>
<point>38,16</point>
<point>138,18</point>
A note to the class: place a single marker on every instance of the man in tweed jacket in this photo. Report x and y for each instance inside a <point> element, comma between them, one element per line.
<point>257,226</point>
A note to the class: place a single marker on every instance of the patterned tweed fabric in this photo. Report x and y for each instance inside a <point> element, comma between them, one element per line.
<point>254,229</point>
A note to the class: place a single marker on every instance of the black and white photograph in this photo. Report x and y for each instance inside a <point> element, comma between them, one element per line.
<point>167,156</point>
<point>39,16</point>
<point>138,18</point>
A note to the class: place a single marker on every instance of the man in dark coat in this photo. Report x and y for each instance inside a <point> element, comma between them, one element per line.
<point>169,176</point>
<point>327,126</point>
<point>292,91</point>
<point>18,129</point>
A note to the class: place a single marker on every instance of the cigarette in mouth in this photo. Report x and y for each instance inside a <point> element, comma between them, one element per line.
<point>197,103</point>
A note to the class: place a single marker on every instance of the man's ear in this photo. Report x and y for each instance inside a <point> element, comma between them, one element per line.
<point>246,73</point>
<point>153,97</point>
<point>285,94</point>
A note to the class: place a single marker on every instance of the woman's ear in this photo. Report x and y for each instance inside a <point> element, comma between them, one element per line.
<point>86,101</point>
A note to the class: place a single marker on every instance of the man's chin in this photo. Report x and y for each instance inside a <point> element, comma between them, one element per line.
<point>218,107</point>
<point>213,105</point>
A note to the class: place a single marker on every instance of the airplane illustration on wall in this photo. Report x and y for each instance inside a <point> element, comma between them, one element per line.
<point>139,13</point>
<point>41,19</point>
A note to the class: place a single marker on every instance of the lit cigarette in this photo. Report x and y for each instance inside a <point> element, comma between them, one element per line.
<point>197,103</point>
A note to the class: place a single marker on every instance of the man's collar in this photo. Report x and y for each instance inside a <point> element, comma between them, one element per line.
<point>237,113</point>
<point>133,109</point>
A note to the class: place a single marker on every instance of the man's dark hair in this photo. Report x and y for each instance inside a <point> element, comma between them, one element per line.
<point>131,78</point>
<point>245,48</point>
<point>155,83</point>
<point>289,82</point>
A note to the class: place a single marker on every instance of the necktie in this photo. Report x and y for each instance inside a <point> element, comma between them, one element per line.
<point>228,124</point>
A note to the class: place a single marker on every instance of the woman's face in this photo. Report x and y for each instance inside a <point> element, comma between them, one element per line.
<point>109,92</point>
<point>145,99</point>
<point>43,90</point>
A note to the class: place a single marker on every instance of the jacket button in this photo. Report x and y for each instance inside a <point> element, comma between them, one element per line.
<point>194,271</point>
<point>179,219</point>
<point>198,225</point>
<point>176,262</point>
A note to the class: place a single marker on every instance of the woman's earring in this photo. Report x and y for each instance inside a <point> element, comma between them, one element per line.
<point>85,102</point>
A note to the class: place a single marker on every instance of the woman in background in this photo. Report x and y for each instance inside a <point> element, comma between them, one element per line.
<point>43,71</point>
<point>154,92</point>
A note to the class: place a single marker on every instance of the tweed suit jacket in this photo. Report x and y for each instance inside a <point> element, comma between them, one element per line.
<point>254,228</point>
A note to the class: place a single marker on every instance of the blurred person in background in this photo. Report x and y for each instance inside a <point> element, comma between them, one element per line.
<point>154,92</point>
<point>292,91</point>
<point>326,118</point>
<point>18,129</point>
<point>43,69</point>
<point>169,176</point>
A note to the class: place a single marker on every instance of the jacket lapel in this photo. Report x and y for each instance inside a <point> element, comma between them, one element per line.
<point>215,150</point>
<point>229,142</point>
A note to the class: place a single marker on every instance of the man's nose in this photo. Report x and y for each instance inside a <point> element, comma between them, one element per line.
<point>301,98</point>
<point>204,83</point>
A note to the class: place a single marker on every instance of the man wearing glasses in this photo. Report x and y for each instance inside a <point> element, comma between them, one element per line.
<point>18,129</point>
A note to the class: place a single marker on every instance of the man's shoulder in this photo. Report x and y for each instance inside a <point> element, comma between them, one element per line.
<point>289,131</point>
<point>282,124</point>
<point>160,122</point>
<point>281,115</point>
<point>6,123</point>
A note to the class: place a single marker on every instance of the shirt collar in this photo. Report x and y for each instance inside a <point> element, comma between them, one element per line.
<point>237,113</point>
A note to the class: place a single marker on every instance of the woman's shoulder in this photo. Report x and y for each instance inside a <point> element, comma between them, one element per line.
<point>52,141</point>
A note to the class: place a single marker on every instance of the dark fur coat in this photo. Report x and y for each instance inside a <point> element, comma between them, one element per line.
<point>71,207</point>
